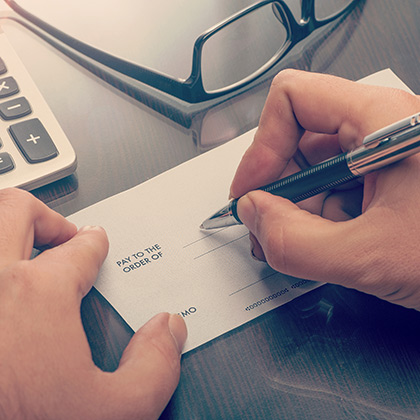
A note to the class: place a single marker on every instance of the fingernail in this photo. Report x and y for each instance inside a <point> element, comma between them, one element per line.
<point>252,246</point>
<point>178,330</point>
<point>88,228</point>
<point>246,211</point>
<point>256,251</point>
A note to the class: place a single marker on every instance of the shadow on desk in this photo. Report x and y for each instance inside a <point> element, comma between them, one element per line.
<point>332,353</point>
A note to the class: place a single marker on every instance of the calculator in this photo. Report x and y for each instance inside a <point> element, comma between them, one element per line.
<point>34,150</point>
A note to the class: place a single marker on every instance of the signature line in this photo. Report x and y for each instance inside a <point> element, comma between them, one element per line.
<point>220,246</point>
<point>255,282</point>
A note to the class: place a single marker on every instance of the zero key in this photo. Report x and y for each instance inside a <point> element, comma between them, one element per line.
<point>33,141</point>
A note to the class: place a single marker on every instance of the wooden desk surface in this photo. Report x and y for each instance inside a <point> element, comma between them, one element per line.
<point>331,354</point>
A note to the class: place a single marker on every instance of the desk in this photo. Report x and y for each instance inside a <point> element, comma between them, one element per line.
<point>331,354</point>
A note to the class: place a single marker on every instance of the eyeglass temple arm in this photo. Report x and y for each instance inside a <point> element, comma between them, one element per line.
<point>157,80</point>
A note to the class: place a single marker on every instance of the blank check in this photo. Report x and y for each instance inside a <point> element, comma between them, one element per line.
<point>159,259</point>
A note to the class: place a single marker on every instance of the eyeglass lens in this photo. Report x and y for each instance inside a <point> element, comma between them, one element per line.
<point>242,48</point>
<point>251,43</point>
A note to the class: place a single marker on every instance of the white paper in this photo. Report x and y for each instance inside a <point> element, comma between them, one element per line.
<point>159,259</point>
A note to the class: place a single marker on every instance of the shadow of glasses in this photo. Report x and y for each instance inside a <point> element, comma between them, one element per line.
<point>217,120</point>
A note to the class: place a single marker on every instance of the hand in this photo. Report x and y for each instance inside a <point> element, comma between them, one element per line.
<point>46,368</point>
<point>365,237</point>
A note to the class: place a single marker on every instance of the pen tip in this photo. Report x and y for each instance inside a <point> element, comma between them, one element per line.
<point>222,218</point>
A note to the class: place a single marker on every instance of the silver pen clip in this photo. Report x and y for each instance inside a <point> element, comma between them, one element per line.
<point>385,146</point>
<point>373,139</point>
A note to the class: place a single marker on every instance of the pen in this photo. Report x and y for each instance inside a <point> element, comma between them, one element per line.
<point>379,149</point>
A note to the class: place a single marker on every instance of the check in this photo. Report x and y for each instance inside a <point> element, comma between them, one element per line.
<point>159,259</point>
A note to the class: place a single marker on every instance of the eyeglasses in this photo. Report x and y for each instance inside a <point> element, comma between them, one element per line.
<point>263,33</point>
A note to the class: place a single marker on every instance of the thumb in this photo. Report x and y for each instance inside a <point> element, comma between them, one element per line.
<point>150,366</point>
<point>296,242</point>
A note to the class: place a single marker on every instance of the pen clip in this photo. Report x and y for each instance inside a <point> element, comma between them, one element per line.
<point>374,139</point>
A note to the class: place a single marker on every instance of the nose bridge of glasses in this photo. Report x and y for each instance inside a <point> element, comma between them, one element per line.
<point>281,10</point>
<point>307,10</point>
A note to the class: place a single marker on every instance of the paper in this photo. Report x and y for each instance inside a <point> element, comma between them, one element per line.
<point>159,259</point>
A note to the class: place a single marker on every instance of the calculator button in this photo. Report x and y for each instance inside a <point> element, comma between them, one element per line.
<point>8,87</point>
<point>6,163</point>
<point>33,141</point>
<point>15,108</point>
<point>3,67</point>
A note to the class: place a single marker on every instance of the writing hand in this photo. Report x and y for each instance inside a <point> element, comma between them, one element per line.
<point>364,237</point>
<point>46,367</point>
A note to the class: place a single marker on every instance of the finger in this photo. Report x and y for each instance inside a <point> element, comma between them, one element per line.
<point>318,147</point>
<point>256,249</point>
<point>25,220</point>
<point>339,206</point>
<point>358,253</point>
<point>343,205</point>
<point>298,243</point>
<point>77,261</point>
<point>300,101</point>
<point>150,367</point>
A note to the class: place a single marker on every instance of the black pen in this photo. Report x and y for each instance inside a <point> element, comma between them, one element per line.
<point>379,149</point>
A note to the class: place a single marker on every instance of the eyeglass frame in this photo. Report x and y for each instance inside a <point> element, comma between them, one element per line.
<point>191,90</point>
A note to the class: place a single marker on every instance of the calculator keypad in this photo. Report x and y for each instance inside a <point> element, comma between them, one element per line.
<point>33,140</point>
<point>6,163</point>
<point>8,87</point>
<point>3,68</point>
<point>15,108</point>
<point>34,150</point>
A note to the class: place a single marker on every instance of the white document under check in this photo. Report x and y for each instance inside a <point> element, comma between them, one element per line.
<point>159,260</point>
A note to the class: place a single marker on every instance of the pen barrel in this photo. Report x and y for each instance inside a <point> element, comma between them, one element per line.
<point>297,187</point>
<point>314,180</point>
<point>379,149</point>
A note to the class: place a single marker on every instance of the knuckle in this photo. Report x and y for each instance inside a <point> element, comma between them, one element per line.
<point>20,275</point>
<point>17,207</point>
<point>13,194</point>
<point>274,249</point>
<point>16,199</point>
<point>406,98</point>
<point>286,77</point>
